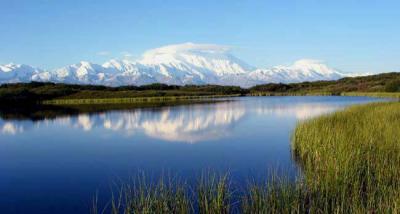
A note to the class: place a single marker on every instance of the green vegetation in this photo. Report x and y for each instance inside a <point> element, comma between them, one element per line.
<point>373,94</point>
<point>36,92</point>
<point>132,100</point>
<point>143,197</point>
<point>387,82</point>
<point>351,159</point>
<point>211,195</point>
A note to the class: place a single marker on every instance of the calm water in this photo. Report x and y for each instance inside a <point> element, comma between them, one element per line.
<point>56,164</point>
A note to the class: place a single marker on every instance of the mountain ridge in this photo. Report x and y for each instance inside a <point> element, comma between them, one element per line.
<point>180,64</point>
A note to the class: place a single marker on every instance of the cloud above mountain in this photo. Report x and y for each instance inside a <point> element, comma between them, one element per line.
<point>180,64</point>
<point>188,47</point>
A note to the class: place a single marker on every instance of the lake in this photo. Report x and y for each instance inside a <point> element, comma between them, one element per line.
<point>54,161</point>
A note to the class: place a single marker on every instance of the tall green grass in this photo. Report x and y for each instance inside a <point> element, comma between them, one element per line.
<point>328,93</point>
<point>295,93</point>
<point>373,94</point>
<point>143,197</point>
<point>211,194</point>
<point>351,159</point>
<point>275,195</point>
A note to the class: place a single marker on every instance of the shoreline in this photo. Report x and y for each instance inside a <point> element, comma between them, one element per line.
<point>155,99</point>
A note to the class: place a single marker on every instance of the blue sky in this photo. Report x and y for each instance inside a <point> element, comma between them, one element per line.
<point>353,36</point>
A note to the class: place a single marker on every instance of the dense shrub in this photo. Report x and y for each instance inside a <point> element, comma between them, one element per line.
<point>393,86</point>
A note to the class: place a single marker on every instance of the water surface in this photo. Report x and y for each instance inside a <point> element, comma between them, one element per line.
<point>55,162</point>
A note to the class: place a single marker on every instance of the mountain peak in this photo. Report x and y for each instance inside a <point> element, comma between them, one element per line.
<point>202,58</point>
<point>313,65</point>
<point>300,71</point>
<point>177,53</point>
<point>11,73</point>
<point>7,67</point>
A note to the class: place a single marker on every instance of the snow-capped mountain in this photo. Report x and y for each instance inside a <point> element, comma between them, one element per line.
<point>12,73</point>
<point>180,64</point>
<point>194,57</point>
<point>82,72</point>
<point>300,71</point>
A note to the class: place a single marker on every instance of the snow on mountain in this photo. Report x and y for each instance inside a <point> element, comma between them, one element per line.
<point>358,74</point>
<point>82,72</point>
<point>12,73</point>
<point>190,63</point>
<point>300,71</point>
<point>195,57</point>
<point>180,64</point>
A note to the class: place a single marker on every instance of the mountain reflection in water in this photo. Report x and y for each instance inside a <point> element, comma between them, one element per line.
<point>190,123</point>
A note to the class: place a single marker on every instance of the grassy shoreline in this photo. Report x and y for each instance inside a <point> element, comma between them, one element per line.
<point>132,100</point>
<point>155,99</point>
<point>373,94</point>
<point>356,94</point>
<point>271,94</point>
<point>351,158</point>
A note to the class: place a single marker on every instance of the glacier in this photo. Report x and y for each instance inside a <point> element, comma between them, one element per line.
<point>179,64</point>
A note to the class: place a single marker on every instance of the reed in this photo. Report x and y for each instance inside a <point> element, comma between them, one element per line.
<point>211,194</point>
<point>298,93</point>
<point>142,196</point>
<point>373,94</point>
<point>351,159</point>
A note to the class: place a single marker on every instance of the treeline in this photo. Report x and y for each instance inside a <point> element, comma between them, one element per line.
<point>35,92</point>
<point>386,82</point>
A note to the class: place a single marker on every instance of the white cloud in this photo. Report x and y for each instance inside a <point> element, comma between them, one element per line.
<point>188,47</point>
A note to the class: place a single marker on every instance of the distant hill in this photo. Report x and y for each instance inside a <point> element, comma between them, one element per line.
<point>385,82</point>
<point>34,92</point>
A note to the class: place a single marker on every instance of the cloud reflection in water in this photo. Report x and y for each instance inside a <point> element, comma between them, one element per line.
<point>190,124</point>
<point>300,111</point>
